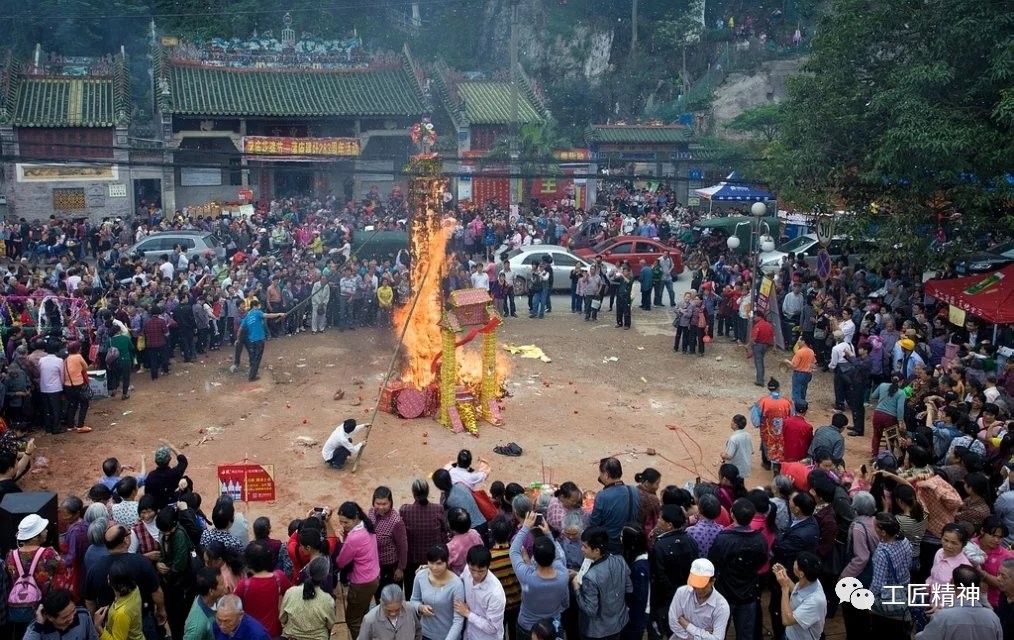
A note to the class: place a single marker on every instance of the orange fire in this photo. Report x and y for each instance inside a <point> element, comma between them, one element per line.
<point>469,361</point>
<point>428,235</point>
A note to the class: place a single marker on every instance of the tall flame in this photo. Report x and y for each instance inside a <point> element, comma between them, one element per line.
<point>428,236</point>
<point>429,233</point>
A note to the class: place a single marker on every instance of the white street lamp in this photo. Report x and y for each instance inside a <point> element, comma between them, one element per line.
<point>765,243</point>
<point>732,242</point>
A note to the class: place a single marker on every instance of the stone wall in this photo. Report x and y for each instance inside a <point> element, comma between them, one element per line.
<point>34,200</point>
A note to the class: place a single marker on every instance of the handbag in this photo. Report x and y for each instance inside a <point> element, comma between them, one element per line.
<point>897,610</point>
<point>866,575</point>
<point>485,504</point>
<point>596,303</point>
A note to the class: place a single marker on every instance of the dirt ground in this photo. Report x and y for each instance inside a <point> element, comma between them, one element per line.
<point>606,392</point>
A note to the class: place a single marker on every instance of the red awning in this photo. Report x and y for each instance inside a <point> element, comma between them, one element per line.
<point>988,296</point>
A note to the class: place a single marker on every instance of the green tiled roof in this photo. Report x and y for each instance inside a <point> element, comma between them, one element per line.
<point>637,134</point>
<point>215,91</point>
<point>490,103</point>
<point>66,102</point>
<point>58,100</point>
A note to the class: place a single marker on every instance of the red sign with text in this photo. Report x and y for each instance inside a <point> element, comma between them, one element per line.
<point>247,482</point>
<point>284,146</point>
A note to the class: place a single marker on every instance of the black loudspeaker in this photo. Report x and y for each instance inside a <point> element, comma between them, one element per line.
<point>16,506</point>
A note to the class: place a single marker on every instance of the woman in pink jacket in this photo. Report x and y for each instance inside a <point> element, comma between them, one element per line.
<point>359,554</point>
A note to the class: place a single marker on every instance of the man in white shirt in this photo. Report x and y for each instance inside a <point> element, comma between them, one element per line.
<point>320,297</point>
<point>339,445</point>
<point>842,354</point>
<point>480,279</point>
<point>165,268</point>
<point>698,611</point>
<point>51,387</point>
<point>485,600</point>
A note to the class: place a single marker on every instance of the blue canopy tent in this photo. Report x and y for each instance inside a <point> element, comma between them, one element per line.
<point>732,190</point>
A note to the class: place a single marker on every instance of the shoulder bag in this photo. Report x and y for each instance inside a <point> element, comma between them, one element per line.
<point>866,575</point>
<point>896,609</point>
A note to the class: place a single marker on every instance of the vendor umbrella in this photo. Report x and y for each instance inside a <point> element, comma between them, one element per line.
<point>987,296</point>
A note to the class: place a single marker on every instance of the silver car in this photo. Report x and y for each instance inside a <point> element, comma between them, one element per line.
<point>808,246</point>
<point>193,243</point>
<point>563,262</point>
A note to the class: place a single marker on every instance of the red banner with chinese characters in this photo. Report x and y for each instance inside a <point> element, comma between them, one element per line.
<point>282,146</point>
<point>247,482</point>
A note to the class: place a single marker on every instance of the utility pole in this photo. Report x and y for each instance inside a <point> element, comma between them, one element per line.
<point>633,27</point>
<point>514,126</point>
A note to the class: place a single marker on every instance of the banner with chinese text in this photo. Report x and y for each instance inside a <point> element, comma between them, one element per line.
<point>283,146</point>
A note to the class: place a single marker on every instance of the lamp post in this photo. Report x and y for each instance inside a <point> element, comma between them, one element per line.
<point>765,243</point>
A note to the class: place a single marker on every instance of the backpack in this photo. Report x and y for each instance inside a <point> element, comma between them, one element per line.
<point>112,357</point>
<point>25,594</point>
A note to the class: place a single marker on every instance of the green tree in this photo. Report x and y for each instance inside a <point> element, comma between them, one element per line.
<point>763,121</point>
<point>904,114</point>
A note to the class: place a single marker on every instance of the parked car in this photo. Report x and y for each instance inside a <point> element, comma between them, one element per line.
<point>582,235</point>
<point>194,243</point>
<point>632,249</point>
<point>808,246</point>
<point>985,261</point>
<point>563,262</point>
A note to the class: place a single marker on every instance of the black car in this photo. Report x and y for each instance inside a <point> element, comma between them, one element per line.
<point>985,261</point>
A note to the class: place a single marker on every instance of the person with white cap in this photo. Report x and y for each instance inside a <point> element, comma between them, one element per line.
<point>33,557</point>
<point>699,611</point>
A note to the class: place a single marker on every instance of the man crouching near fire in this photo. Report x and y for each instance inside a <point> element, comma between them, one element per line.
<point>339,447</point>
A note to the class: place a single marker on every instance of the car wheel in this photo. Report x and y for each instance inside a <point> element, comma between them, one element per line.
<point>520,286</point>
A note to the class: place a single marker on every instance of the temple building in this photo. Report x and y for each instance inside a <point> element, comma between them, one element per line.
<point>279,116</point>
<point>63,134</point>
<point>477,110</point>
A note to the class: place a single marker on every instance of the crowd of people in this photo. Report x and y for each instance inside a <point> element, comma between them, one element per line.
<point>476,558</point>
<point>931,506</point>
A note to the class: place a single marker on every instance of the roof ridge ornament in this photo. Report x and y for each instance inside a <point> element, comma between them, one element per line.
<point>288,33</point>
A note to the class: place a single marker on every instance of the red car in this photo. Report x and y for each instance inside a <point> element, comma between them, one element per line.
<point>633,249</point>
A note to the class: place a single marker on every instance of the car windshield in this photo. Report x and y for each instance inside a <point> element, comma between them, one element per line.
<point>796,244</point>
<point>211,241</point>
<point>1006,249</point>
<point>516,252</point>
<point>602,246</point>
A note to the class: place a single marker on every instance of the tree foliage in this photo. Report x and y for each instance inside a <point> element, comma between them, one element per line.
<point>904,114</point>
<point>762,121</point>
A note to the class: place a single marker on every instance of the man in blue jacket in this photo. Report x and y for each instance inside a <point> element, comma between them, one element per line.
<point>644,276</point>
<point>738,554</point>
<point>802,535</point>
<point>615,505</point>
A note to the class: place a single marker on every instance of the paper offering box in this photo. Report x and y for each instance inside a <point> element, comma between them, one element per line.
<point>389,397</point>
